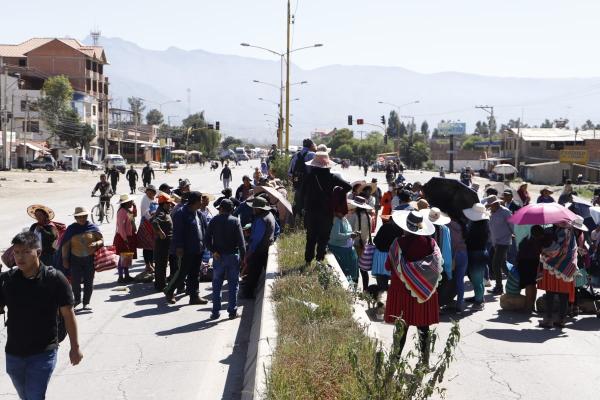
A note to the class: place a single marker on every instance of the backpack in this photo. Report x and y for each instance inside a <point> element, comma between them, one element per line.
<point>300,170</point>
<point>61,330</point>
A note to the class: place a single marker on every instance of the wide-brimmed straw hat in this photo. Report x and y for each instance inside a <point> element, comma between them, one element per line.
<point>80,212</point>
<point>125,198</point>
<point>33,208</point>
<point>413,222</point>
<point>321,160</point>
<point>436,216</point>
<point>477,212</point>
<point>359,202</point>
<point>577,223</point>
<point>493,199</point>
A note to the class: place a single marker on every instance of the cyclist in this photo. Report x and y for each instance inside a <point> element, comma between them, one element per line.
<point>106,192</point>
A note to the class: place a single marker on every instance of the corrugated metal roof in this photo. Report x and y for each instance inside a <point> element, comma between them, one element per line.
<point>555,135</point>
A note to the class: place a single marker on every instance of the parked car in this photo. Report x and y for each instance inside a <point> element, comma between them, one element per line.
<point>43,162</point>
<point>67,164</point>
<point>115,160</point>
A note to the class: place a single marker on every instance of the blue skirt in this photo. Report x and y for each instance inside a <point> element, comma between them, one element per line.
<point>347,259</point>
<point>379,258</point>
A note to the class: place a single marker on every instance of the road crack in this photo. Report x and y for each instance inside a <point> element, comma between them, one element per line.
<point>494,378</point>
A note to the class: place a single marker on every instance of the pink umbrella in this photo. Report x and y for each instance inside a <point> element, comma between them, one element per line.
<point>542,214</point>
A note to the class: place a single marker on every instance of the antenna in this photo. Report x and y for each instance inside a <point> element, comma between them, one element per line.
<point>95,34</point>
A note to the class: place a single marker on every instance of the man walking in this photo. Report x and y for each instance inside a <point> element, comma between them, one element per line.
<point>262,236</point>
<point>113,174</point>
<point>189,229</point>
<point>225,239</point>
<point>501,232</point>
<point>147,174</point>
<point>132,178</point>
<point>299,170</point>
<point>35,296</point>
<point>225,176</point>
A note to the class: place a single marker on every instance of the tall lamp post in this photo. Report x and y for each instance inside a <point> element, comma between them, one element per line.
<point>285,57</point>
<point>398,107</point>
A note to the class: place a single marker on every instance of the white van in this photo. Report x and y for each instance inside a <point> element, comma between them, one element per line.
<point>240,154</point>
<point>115,160</point>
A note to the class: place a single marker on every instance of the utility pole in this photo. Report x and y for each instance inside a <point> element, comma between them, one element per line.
<point>287,83</point>
<point>280,124</point>
<point>489,110</point>
<point>3,115</point>
<point>26,130</point>
<point>517,144</point>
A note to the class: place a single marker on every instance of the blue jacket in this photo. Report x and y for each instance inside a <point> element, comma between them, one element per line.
<point>189,229</point>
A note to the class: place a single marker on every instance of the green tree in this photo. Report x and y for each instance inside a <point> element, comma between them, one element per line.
<point>195,120</point>
<point>469,143</point>
<point>154,117</point>
<point>73,133</point>
<point>393,126</point>
<point>230,142</point>
<point>344,151</point>
<point>56,101</point>
<point>340,138</point>
<point>204,140</point>
<point>419,154</point>
<point>481,128</point>
<point>547,124</point>
<point>137,107</point>
<point>402,130</point>
<point>425,129</point>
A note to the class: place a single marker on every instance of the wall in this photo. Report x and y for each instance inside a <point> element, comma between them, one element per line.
<point>547,173</point>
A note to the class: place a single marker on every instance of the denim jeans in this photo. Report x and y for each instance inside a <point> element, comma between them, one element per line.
<point>460,269</point>
<point>82,269</point>
<point>499,263</point>
<point>477,267</point>
<point>30,375</point>
<point>227,266</point>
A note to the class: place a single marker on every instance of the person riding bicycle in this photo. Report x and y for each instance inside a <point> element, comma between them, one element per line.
<point>106,191</point>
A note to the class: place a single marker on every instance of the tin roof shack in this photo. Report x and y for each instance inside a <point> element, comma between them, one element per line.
<point>548,173</point>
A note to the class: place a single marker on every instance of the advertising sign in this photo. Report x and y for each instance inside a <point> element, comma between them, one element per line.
<point>573,156</point>
<point>452,128</point>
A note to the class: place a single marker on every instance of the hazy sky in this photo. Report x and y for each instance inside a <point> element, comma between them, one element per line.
<point>524,38</point>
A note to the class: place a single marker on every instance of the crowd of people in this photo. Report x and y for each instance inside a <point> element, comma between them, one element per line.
<point>179,240</point>
<point>422,256</point>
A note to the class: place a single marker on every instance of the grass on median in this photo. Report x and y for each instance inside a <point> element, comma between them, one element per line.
<point>322,353</point>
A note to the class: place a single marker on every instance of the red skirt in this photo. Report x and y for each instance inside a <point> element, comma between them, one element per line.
<point>122,247</point>
<point>401,304</point>
<point>551,283</point>
<point>145,235</point>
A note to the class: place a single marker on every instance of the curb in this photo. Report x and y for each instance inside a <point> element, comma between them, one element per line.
<point>359,312</point>
<point>263,335</point>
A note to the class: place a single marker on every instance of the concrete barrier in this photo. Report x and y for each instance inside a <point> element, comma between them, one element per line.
<point>263,335</point>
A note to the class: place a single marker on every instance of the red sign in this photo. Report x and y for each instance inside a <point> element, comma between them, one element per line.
<point>359,121</point>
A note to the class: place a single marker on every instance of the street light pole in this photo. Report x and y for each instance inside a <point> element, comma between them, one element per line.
<point>287,83</point>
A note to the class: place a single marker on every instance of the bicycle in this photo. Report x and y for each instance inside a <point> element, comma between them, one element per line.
<point>99,213</point>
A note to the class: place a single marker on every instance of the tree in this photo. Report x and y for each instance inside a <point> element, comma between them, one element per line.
<point>137,107</point>
<point>435,133</point>
<point>344,151</point>
<point>340,138</point>
<point>469,143</point>
<point>230,141</point>
<point>73,133</point>
<point>419,153</point>
<point>425,129</point>
<point>589,125</point>
<point>547,124</point>
<point>56,102</point>
<point>195,120</point>
<point>393,127</point>
<point>402,130</point>
<point>154,117</point>
<point>481,128</point>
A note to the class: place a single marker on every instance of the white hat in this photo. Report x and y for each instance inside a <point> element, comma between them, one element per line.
<point>436,216</point>
<point>321,160</point>
<point>413,222</point>
<point>477,212</point>
<point>577,223</point>
<point>125,198</point>
<point>80,212</point>
<point>360,202</point>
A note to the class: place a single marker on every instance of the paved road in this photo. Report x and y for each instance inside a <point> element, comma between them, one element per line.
<point>504,355</point>
<point>134,345</point>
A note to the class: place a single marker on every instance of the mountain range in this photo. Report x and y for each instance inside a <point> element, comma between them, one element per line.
<point>222,86</point>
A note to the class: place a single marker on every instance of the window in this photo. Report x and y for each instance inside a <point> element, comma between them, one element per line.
<point>22,62</point>
<point>23,105</point>
<point>32,126</point>
<point>88,64</point>
<point>88,85</point>
<point>95,67</point>
<point>100,89</point>
<point>555,145</point>
<point>100,69</point>
<point>95,86</point>
<point>33,105</point>
<point>535,144</point>
<point>94,110</point>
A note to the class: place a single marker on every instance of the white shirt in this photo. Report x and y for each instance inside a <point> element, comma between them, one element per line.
<point>147,206</point>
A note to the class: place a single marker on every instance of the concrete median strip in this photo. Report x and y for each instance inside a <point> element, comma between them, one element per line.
<point>263,335</point>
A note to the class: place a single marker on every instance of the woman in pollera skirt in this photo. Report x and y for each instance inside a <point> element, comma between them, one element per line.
<point>415,262</point>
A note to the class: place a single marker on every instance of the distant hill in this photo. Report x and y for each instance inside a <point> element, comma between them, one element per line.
<point>222,86</point>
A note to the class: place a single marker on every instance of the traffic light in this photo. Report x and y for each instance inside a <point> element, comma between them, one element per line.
<point>217,126</point>
<point>385,139</point>
<point>383,120</point>
<point>211,126</point>
<point>359,121</point>
<point>349,119</point>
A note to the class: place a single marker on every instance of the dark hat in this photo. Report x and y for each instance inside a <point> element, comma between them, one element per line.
<point>261,203</point>
<point>307,143</point>
<point>193,197</point>
<point>183,183</point>
<point>374,180</point>
<point>165,188</point>
<point>245,177</point>
<point>226,192</point>
<point>226,205</point>
<point>508,192</point>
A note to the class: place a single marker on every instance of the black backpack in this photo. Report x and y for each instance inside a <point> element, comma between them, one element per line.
<point>61,329</point>
<point>300,170</point>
